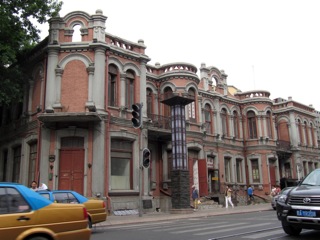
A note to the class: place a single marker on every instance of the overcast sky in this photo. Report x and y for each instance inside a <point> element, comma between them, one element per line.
<point>271,45</point>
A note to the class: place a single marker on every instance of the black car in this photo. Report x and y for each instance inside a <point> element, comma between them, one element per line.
<point>300,207</point>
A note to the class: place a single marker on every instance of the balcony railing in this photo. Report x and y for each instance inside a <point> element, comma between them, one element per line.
<point>283,145</point>
<point>159,121</point>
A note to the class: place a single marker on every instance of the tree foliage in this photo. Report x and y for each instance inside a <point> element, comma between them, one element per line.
<point>18,34</point>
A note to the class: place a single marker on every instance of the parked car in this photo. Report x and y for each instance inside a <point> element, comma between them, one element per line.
<point>25,215</point>
<point>300,207</point>
<point>275,198</point>
<point>96,208</point>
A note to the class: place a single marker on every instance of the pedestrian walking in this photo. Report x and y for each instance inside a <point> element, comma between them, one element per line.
<point>227,194</point>
<point>195,196</point>
<point>250,194</point>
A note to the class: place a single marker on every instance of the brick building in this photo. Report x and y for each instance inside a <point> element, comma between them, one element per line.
<point>74,130</point>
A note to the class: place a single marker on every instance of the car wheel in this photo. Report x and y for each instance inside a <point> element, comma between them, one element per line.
<point>290,230</point>
<point>89,223</point>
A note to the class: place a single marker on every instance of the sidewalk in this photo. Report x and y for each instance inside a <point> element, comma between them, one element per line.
<point>162,216</point>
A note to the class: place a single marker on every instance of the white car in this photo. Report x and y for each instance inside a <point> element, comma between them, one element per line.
<point>275,198</point>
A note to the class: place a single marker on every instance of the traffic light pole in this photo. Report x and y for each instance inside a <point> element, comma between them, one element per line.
<point>140,190</point>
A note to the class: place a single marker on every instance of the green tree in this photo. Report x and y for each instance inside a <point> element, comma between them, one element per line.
<point>18,34</point>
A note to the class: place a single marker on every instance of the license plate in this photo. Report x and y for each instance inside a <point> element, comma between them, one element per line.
<point>304,213</point>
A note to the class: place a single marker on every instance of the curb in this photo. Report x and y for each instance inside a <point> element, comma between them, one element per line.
<point>156,216</point>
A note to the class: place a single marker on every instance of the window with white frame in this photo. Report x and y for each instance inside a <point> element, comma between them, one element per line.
<point>192,106</point>
<point>239,171</point>
<point>112,85</point>
<point>32,161</point>
<point>235,124</point>
<point>121,165</point>
<point>130,90</point>
<point>224,121</point>
<point>207,117</point>
<point>227,169</point>
<point>255,171</point>
<point>269,124</point>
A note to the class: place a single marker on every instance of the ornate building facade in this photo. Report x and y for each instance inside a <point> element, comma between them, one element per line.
<point>74,130</point>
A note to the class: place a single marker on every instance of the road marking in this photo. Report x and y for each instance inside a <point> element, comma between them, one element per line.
<point>195,229</point>
<point>226,229</point>
<point>263,234</point>
<point>192,227</point>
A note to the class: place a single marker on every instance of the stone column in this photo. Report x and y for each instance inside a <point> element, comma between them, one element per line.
<point>90,70</point>
<point>99,77</point>
<point>57,103</point>
<point>51,77</point>
<point>143,89</point>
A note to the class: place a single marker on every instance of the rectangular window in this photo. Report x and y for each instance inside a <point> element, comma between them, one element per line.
<point>269,126</point>
<point>16,164</point>
<point>287,170</point>
<point>227,169</point>
<point>112,89</point>
<point>239,171</point>
<point>121,165</point>
<point>255,171</point>
<point>3,170</point>
<point>310,166</point>
<point>32,162</point>
<point>305,170</point>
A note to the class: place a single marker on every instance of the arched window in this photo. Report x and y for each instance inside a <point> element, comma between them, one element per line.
<point>112,85</point>
<point>300,138</point>
<point>207,118</point>
<point>192,106</point>
<point>312,134</point>
<point>149,102</point>
<point>236,124</point>
<point>307,142</point>
<point>76,36</point>
<point>166,109</point>
<point>269,124</point>
<point>224,121</point>
<point>252,125</point>
<point>129,88</point>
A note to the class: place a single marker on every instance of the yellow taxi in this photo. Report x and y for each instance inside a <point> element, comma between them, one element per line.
<point>25,215</point>
<point>96,208</point>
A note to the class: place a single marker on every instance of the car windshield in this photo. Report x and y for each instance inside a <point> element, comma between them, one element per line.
<point>313,179</point>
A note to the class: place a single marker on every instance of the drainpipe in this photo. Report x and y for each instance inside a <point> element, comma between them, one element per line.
<point>244,145</point>
<point>39,123</point>
<point>107,142</point>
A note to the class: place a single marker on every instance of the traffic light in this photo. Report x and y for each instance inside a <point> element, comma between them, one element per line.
<point>136,115</point>
<point>146,158</point>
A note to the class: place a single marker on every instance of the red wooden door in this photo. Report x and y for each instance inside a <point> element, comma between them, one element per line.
<point>71,170</point>
<point>203,177</point>
<point>272,171</point>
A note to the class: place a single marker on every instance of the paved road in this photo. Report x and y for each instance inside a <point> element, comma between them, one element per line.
<point>247,226</point>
